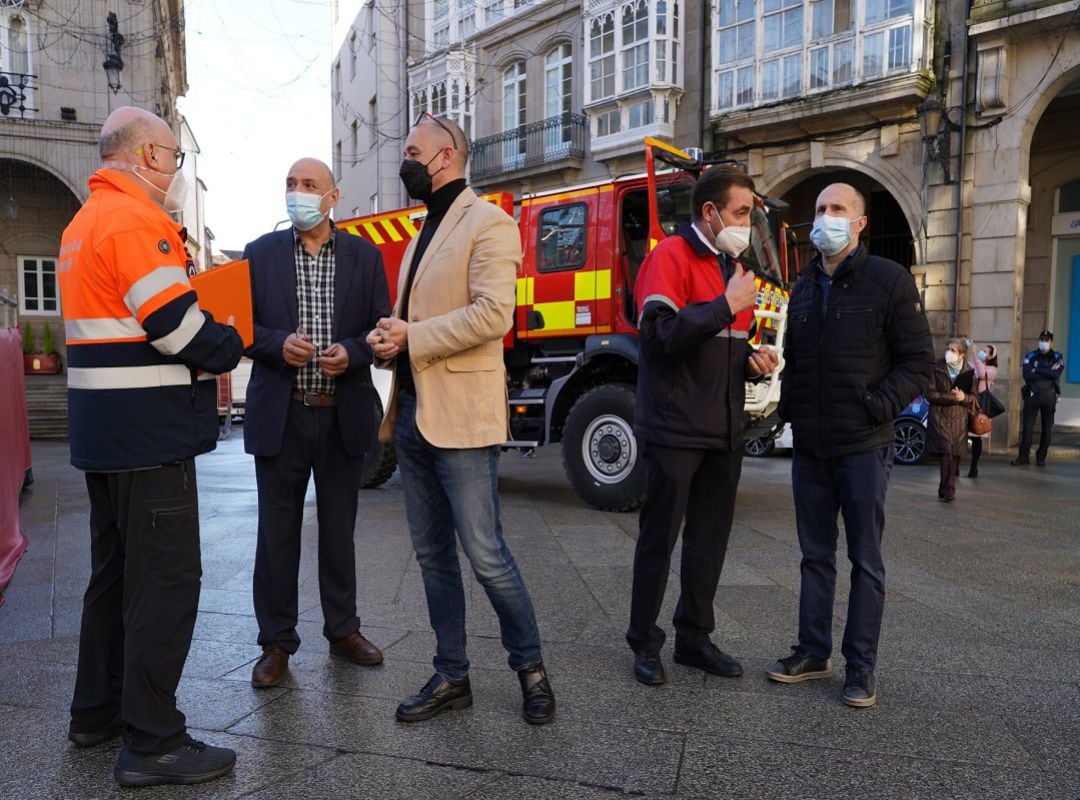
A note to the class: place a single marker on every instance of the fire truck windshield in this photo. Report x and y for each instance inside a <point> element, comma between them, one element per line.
<point>762,256</point>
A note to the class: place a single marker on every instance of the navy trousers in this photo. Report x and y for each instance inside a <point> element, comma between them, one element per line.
<point>1043,404</point>
<point>825,488</point>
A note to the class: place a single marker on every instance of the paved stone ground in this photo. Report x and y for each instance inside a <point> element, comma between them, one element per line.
<point>979,680</point>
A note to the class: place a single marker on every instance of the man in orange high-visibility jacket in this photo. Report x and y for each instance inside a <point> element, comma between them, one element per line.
<point>142,405</point>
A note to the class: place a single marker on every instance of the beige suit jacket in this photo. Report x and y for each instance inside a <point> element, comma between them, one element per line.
<point>460,307</point>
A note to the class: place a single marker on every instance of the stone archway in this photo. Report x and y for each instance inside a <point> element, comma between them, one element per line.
<point>888,234</point>
<point>873,175</point>
<point>1052,245</point>
<point>35,207</point>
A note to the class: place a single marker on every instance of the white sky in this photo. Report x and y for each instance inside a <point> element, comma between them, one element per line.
<point>258,99</point>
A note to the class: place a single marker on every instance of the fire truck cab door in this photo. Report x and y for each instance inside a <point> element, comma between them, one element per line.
<point>561,285</point>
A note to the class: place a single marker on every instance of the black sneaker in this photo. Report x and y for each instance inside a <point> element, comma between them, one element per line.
<point>798,667</point>
<point>860,689</point>
<point>193,762</point>
<point>94,738</point>
<point>1021,461</point>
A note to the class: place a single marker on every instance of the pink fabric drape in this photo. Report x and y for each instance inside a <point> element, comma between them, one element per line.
<point>14,452</point>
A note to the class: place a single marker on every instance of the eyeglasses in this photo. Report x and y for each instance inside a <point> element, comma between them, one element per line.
<point>424,115</point>
<point>176,151</point>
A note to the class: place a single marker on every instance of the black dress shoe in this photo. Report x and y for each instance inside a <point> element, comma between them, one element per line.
<point>538,703</point>
<point>1020,462</point>
<point>94,738</point>
<point>708,657</point>
<point>648,668</point>
<point>438,695</point>
<point>1040,463</point>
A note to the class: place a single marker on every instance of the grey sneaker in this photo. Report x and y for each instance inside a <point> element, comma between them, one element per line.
<point>798,667</point>
<point>193,762</point>
<point>860,689</point>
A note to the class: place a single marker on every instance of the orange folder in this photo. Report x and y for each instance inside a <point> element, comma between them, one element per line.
<point>225,292</point>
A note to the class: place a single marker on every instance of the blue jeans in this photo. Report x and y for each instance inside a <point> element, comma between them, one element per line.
<point>448,490</point>
<point>823,488</point>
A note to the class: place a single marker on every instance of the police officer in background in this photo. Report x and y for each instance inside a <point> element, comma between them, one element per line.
<point>1043,369</point>
<point>142,403</point>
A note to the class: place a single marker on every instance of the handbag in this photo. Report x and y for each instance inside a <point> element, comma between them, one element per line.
<point>990,405</point>
<point>978,422</point>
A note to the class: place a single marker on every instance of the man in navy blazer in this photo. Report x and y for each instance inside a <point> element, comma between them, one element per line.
<point>316,293</point>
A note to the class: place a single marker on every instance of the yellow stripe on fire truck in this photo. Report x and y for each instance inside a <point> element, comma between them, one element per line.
<point>560,315</point>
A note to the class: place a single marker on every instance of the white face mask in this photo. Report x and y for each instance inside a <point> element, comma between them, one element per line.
<point>953,359</point>
<point>732,239</point>
<point>175,196</point>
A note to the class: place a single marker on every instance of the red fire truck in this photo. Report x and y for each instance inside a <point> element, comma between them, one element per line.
<point>571,357</point>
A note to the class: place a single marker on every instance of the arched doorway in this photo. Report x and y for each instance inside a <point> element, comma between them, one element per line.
<point>1052,247</point>
<point>888,233</point>
<point>35,207</point>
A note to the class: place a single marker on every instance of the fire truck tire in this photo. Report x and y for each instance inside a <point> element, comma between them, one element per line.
<point>381,461</point>
<point>600,454</point>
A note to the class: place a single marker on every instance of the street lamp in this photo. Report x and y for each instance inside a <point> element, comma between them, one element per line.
<point>936,133</point>
<point>113,62</point>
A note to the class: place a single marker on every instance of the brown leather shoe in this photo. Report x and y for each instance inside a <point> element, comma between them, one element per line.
<point>270,669</point>
<point>357,649</point>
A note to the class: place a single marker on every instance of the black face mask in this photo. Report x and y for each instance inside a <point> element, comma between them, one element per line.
<point>415,177</point>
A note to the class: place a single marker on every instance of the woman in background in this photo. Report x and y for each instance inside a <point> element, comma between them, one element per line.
<point>950,386</point>
<point>985,368</point>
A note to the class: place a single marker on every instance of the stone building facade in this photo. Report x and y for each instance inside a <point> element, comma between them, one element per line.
<point>54,96</point>
<point>959,125</point>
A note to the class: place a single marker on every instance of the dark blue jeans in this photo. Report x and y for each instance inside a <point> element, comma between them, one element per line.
<point>448,490</point>
<point>824,488</point>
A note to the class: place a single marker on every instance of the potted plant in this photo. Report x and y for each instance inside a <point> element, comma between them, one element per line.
<point>43,362</point>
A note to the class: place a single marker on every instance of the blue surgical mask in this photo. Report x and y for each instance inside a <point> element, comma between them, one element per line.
<point>982,355</point>
<point>305,210</point>
<point>1044,347</point>
<point>830,234</point>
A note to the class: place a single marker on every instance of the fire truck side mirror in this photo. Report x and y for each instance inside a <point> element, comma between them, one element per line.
<point>534,320</point>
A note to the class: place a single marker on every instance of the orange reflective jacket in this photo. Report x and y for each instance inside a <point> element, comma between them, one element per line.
<point>135,334</point>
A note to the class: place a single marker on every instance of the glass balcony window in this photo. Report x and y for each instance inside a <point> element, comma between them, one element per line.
<point>772,50</point>
<point>632,45</point>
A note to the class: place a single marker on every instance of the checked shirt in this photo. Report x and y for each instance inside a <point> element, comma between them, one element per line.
<point>315,297</point>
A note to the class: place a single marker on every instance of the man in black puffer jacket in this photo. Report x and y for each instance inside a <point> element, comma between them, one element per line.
<point>858,350</point>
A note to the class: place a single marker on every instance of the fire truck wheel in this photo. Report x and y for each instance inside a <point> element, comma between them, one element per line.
<point>381,461</point>
<point>600,453</point>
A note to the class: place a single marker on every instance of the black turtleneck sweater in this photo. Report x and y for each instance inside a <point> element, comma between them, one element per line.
<point>437,206</point>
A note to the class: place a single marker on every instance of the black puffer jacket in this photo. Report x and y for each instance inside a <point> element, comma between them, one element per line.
<point>855,359</point>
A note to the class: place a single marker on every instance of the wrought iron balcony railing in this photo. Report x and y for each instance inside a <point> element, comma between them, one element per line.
<point>15,94</point>
<point>529,146</point>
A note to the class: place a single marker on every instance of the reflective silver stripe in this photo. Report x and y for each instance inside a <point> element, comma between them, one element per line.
<point>79,330</point>
<point>128,377</point>
<point>151,284</point>
<point>729,333</point>
<point>189,326</point>
<point>659,298</point>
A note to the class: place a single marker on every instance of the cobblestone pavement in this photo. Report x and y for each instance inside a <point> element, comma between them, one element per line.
<point>979,676</point>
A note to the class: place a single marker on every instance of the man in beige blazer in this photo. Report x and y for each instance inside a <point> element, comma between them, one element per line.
<point>448,415</point>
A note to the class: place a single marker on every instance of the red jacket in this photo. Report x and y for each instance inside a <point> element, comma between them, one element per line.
<point>691,388</point>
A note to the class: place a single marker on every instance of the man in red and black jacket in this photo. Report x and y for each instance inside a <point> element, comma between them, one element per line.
<point>696,312</point>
